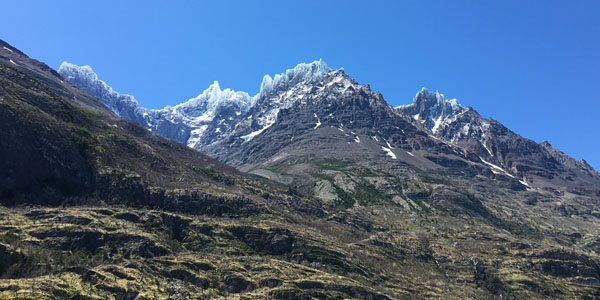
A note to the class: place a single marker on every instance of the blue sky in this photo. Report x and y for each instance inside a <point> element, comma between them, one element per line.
<point>532,65</point>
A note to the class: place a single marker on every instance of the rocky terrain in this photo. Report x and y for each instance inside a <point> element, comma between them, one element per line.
<point>317,188</point>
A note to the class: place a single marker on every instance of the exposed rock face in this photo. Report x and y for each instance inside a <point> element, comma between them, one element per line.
<point>501,149</point>
<point>313,117</point>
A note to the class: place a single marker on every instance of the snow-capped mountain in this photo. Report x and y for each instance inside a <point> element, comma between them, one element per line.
<point>447,119</point>
<point>503,150</point>
<point>329,107</point>
<point>206,117</point>
<point>279,93</point>
<point>312,96</point>
<point>210,116</point>
<point>432,109</point>
<point>195,122</point>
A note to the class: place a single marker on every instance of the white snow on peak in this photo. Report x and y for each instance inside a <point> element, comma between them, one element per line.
<point>71,70</point>
<point>197,110</point>
<point>12,61</point>
<point>7,49</point>
<point>276,93</point>
<point>198,113</point>
<point>302,72</point>
<point>283,90</point>
<point>214,95</point>
<point>357,139</point>
<point>432,109</point>
<point>85,78</point>
<point>204,107</point>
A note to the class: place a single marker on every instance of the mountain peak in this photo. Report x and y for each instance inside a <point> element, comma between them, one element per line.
<point>435,98</point>
<point>303,72</point>
<point>69,70</point>
<point>214,96</point>
<point>85,78</point>
<point>214,86</point>
<point>431,109</point>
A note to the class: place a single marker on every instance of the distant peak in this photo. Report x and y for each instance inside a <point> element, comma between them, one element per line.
<point>303,72</point>
<point>214,96</point>
<point>86,79</point>
<point>425,95</point>
<point>432,109</point>
<point>67,69</point>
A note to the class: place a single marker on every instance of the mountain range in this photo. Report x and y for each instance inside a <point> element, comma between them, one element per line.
<point>315,187</point>
<point>223,122</point>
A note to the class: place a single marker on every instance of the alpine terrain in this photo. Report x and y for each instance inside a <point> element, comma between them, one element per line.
<point>314,188</point>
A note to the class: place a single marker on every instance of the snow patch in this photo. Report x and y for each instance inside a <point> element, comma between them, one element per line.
<point>12,61</point>
<point>251,135</point>
<point>195,135</point>
<point>410,153</point>
<point>389,152</point>
<point>318,121</point>
<point>523,182</point>
<point>496,169</point>
<point>357,139</point>
<point>388,144</point>
<point>7,49</point>
<point>436,125</point>
<point>488,149</point>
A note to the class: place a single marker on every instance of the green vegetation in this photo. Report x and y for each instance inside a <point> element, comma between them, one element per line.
<point>110,252</point>
<point>334,165</point>
<point>218,176</point>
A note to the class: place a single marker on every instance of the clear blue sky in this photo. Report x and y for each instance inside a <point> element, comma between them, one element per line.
<point>533,65</point>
